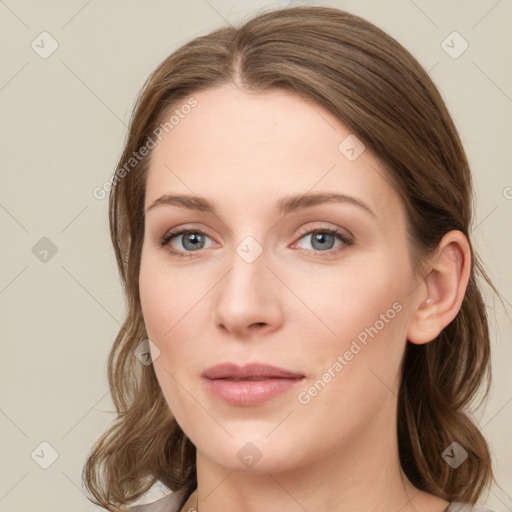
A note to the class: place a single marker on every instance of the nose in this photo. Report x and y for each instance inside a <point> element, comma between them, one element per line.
<point>247,300</point>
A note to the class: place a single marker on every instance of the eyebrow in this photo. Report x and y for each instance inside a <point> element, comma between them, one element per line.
<point>283,206</point>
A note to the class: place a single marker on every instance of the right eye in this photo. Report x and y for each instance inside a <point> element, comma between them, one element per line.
<point>192,240</point>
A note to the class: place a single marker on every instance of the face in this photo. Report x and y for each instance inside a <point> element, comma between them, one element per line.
<point>316,287</point>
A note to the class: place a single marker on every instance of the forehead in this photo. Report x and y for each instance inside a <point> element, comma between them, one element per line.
<point>274,120</point>
<point>263,145</point>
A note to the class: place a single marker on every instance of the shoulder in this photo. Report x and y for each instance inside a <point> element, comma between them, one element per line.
<point>456,506</point>
<point>169,503</point>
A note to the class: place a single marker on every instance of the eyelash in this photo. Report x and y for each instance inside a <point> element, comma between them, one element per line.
<point>164,241</point>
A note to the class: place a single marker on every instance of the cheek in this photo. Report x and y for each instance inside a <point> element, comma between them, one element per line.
<point>175,308</point>
<point>360,329</point>
<point>165,296</point>
<point>171,323</point>
<point>352,298</point>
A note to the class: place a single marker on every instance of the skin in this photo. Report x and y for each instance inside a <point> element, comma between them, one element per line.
<point>291,307</point>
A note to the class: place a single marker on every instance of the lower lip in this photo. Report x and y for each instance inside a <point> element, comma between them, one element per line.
<point>245,393</point>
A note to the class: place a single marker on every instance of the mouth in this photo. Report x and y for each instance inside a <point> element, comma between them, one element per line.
<point>249,385</point>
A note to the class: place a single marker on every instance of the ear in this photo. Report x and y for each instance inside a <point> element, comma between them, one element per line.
<point>445,286</point>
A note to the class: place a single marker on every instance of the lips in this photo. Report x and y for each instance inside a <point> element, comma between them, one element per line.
<point>249,385</point>
<point>252,371</point>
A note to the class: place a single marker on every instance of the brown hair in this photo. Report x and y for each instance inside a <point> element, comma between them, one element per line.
<point>375,87</point>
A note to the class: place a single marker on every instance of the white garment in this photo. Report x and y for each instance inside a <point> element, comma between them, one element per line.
<point>169,503</point>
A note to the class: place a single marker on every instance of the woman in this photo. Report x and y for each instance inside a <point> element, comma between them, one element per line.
<point>291,219</point>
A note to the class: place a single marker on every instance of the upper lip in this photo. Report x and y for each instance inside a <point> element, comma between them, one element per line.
<point>233,371</point>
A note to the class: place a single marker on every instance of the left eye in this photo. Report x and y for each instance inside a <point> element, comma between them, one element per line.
<point>323,239</point>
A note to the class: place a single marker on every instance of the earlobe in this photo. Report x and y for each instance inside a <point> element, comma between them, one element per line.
<point>444,287</point>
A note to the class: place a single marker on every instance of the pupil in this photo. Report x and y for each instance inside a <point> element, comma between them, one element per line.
<point>320,237</point>
<point>194,238</point>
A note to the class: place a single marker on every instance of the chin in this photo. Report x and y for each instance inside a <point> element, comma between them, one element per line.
<point>256,453</point>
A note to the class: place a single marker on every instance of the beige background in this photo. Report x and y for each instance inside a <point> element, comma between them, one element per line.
<point>63,123</point>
